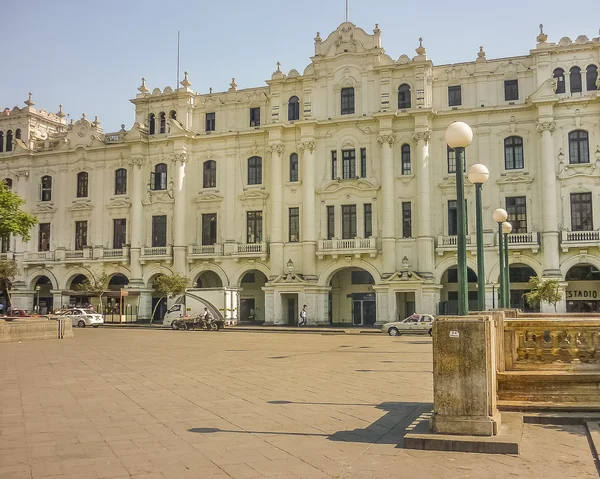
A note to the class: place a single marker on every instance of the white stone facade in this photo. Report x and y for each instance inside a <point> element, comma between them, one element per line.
<point>384,119</point>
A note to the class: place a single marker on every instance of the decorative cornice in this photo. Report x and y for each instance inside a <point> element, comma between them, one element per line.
<point>390,139</point>
<point>307,145</point>
<point>421,135</point>
<point>546,126</point>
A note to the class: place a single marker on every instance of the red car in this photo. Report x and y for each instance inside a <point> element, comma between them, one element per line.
<point>16,313</point>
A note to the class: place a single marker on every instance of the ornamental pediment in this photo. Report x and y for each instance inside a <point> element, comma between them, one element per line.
<point>81,206</point>
<point>157,198</point>
<point>358,184</point>
<point>288,278</point>
<point>118,203</point>
<point>44,208</point>
<point>450,183</point>
<point>348,38</point>
<point>514,179</point>
<point>581,170</point>
<point>404,276</point>
<point>208,198</point>
<point>253,195</point>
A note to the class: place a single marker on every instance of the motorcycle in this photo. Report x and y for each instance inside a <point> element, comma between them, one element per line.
<point>188,323</point>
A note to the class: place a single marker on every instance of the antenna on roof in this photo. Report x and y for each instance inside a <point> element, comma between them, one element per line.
<point>347,11</point>
<point>177,84</point>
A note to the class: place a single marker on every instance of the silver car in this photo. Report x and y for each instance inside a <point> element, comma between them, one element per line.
<point>84,317</point>
<point>414,324</point>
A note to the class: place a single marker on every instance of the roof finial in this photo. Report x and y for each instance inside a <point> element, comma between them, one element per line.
<point>96,121</point>
<point>210,91</point>
<point>542,37</point>
<point>421,49</point>
<point>278,66</point>
<point>318,37</point>
<point>233,85</point>
<point>60,113</point>
<point>185,82</point>
<point>142,88</point>
<point>481,53</point>
<point>29,101</point>
<point>83,116</point>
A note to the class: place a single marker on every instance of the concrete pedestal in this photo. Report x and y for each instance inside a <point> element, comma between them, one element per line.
<point>464,376</point>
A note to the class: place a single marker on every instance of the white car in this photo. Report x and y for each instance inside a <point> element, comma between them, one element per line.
<point>414,324</point>
<point>84,317</point>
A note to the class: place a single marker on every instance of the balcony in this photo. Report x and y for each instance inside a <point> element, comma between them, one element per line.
<point>579,239</point>
<point>9,255</point>
<point>39,257</point>
<point>354,246</point>
<point>250,250</point>
<point>212,251</point>
<point>112,255</point>
<point>156,253</point>
<point>517,241</point>
<point>450,243</point>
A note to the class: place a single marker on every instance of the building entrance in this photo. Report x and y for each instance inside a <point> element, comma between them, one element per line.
<point>364,310</point>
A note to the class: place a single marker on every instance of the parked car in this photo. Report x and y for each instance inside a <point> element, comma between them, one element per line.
<point>17,313</point>
<point>84,317</point>
<point>414,324</point>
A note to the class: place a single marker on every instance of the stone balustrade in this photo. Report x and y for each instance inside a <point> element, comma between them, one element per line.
<point>579,239</point>
<point>355,246</point>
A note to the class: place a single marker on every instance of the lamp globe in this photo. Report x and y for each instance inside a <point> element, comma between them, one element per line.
<point>506,227</point>
<point>478,174</point>
<point>459,135</point>
<point>500,215</point>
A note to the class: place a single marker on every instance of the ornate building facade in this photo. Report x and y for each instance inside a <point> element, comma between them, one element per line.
<point>332,187</point>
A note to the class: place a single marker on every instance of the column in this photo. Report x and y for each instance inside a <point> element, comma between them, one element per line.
<point>550,245</point>
<point>179,243</point>
<point>276,253</point>
<point>425,242</point>
<point>19,245</point>
<point>307,233</point>
<point>97,193</point>
<point>388,225</point>
<point>136,219</point>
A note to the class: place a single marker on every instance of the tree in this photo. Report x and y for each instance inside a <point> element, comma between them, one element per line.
<point>543,291</point>
<point>96,284</point>
<point>13,220</point>
<point>168,286</point>
<point>8,271</point>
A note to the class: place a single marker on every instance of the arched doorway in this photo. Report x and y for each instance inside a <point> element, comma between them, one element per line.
<point>159,303</point>
<point>43,300</point>
<point>208,279</point>
<point>449,296</point>
<point>113,301</point>
<point>252,297</point>
<point>78,296</point>
<point>519,278</point>
<point>583,291</point>
<point>352,298</point>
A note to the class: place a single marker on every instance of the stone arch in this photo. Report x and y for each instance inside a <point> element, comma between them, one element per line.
<point>332,269</point>
<point>526,260</point>
<point>118,269</point>
<point>448,263</point>
<point>578,259</point>
<point>236,278</point>
<point>37,274</point>
<point>71,274</point>
<point>150,275</point>
<point>347,140</point>
<point>198,270</point>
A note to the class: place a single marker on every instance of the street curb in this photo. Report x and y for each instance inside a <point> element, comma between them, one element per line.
<point>256,329</point>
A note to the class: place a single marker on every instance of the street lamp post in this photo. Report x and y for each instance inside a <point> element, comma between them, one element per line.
<point>37,301</point>
<point>506,229</point>
<point>500,215</point>
<point>458,136</point>
<point>478,175</point>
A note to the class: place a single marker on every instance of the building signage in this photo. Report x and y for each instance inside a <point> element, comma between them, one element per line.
<point>578,294</point>
<point>583,291</point>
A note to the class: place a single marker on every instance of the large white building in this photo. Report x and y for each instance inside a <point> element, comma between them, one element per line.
<point>331,187</point>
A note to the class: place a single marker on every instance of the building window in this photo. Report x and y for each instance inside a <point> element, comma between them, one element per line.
<point>254,226</point>
<point>348,164</point>
<point>255,116</point>
<point>361,277</point>
<point>347,101</point>
<point>210,122</point>
<point>173,115</point>
<point>160,177</point>
<point>333,165</point>
<point>209,174</point>
<point>330,222</point>
<point>46,192</point>
<point>5,244</point>
<point>1,141</point>
<point>406,219</point>
<point>8,182</point>
<point>363,162</point>
<point>575,79</point>
<point>9,140</point>
<point>80,234</point>
<point>516,207</point>
<point>559,76</point>
<point>163,122</point>
<point>581,212</point>
<point>403,96</point>
<point>159,231</point>
<point>453,218</point>
<point>579,151</point>
<point>591,78</point>
<point>44,237</point>
<point>294,109</point>
<point>452,160</point>
<point>294,167</point>
<point>348,221</point>
<point>209,229</point>
<point>255,170</point>
<point>119,233</point>
<point>368,218</point>
<point>82,185</point>
<point>405,153</point>
<point>294,225</point>
<point>454,95</point>
<point>511,90</point>
<point>513,153</point>
<point>151,124</point>
<point>121,181</point>
<point>18,130</point>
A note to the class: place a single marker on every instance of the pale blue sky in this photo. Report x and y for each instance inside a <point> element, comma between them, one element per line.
<point>90,56</point>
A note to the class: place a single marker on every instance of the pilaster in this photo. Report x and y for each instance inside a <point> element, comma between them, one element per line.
<point>388,224</point>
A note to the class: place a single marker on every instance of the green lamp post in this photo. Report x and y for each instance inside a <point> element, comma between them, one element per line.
<point>458,136</point>
<point>478,175</point>
<point>500,215</point>
<point>506,229</point>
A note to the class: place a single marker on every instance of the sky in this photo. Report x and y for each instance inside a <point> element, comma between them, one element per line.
<point>90,56</point>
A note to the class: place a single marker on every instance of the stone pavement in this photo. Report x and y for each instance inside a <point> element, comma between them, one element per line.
<point>126,403</point>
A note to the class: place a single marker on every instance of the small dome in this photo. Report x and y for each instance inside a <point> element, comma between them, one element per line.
<point>565,41</point>
<point>293,73</point>
<point>403,60</point>
<point>168,89</point>
<point>581,39</point>
<point>156,91</point>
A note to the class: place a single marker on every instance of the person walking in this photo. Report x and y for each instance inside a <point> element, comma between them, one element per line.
<point>302,319</point>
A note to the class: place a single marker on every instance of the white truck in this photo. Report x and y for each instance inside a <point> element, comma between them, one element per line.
<point>221,302</point>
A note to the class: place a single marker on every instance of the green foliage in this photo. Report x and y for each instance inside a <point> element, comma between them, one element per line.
<point>96,284</point>
<point>13,220</point>
<point>8,271</point>
<point>169,285</point>
<point>543,291</point>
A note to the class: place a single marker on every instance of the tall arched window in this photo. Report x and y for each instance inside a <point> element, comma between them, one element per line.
<point>82,185</point>
<point>255,170</point>
<point>347,95</point>
<point>294,167</point>
<point>513,153</point>
<point>173,115</point>
<point>163,122</point>
<point>151,124</point>
<point>579,150</point>
<point>575,79</point>
<point>121,181</point>
<point>591,77</point>
<point>46,188</point>
<point>9,140</point>
<point>559,75</point>
<point>209,174</point>
<point>18,133</point>
<point>1,141</point>
<point>294,109</point>
<point>160,176</point>
<point>8,182</point>
<point>403,96</point>
<point>406,168</point>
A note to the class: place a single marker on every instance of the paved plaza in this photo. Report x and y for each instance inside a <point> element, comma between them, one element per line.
<point>121,403</point>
